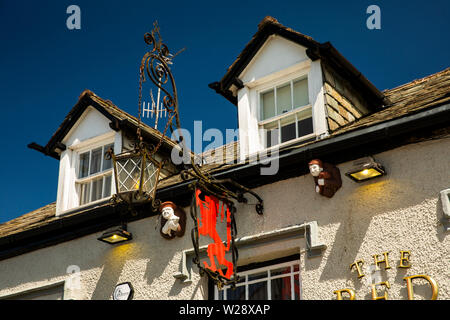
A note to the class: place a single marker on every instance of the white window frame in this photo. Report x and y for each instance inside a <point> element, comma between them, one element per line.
<point>267,279</point>
<point>91,177</point>
<point>272,85</point>
<point>80,148</point>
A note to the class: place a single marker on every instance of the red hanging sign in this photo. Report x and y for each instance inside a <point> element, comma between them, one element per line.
<point>210,210</point>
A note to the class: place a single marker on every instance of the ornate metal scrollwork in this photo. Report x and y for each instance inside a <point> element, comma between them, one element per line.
<point>155,66</point>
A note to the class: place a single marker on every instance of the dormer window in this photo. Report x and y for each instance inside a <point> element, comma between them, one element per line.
<point>94,178</point>
<point>285,112</point>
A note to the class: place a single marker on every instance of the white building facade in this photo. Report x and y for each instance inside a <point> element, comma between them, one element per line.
<point>386,237</point>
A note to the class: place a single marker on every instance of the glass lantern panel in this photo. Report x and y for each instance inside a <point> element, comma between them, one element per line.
<point>150,174</point>
<point>129,173</point>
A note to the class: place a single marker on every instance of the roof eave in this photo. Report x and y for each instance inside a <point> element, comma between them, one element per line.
<point>315,50</point>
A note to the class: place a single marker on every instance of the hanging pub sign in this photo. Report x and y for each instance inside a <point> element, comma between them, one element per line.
<point>213,214</point>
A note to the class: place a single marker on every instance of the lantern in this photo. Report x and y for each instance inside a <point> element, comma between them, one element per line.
<point>136,174</point>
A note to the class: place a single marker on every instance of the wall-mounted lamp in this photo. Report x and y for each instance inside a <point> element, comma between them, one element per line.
<point>365,169</point>
<point>116,235</point>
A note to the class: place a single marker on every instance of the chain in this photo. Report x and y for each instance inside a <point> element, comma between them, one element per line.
<point>141,80</point>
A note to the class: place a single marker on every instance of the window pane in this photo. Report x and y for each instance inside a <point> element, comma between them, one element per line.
<point>259,275</point>
<point>296,283</point>
<point>107,164</point>
<point>268,105</point>
<point>272,133</point>
<point>107,188</point>
<point>236,294</point>
<point>305,127</point>
<point>257,291</point>
<point>96,160</point>
<point>281,288</point>
<point>220,294</point>
<point>84,165</point>
<point>301,93</point>
<point>97,185</point>
<point>284,99</point>
<point>85,189</point>
<point>305,123</point>
<point>287,128</point>
<point>280,271</point>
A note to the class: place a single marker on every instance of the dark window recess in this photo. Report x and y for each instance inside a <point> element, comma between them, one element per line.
<point>272,137</point>
<point>237,294</point>
<point>305,127</point>
<point>257,291</point>
<point>288,132</point>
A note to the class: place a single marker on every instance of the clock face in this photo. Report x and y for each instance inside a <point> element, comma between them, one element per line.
<point>123,291</point>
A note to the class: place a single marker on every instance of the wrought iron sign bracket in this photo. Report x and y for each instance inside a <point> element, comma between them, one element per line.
<point>217,188</point>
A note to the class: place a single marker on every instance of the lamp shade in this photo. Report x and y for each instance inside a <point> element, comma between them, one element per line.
<point>116,236</point>
<point>365,169</point>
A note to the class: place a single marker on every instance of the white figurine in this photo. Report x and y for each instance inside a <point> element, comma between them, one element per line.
<point>172,223</point>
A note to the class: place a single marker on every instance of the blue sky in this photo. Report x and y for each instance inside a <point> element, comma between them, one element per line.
<point>44,66</point>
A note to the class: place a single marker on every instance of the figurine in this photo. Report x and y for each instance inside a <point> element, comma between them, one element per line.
<point>173,220</point>
<point>327,177</point>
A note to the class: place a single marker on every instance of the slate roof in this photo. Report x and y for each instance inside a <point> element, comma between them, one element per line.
<point>411,98</point>
<point>315,50</point>
<point>119,119</point>
<point>408,99</point>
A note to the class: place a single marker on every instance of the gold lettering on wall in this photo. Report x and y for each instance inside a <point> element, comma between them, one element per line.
<point>350,292</point>
<point>404,263</point>
<point>358,268</point>
<point>431,281</point>
<point>385,260</point>
<point>374,290</point>
<point>404,259</point>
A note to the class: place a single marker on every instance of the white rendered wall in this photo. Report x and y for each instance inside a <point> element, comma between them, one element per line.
<point>400,211</point>
<point>276,54</point>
